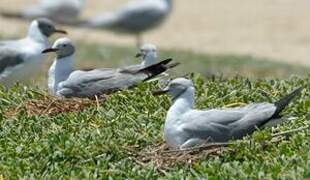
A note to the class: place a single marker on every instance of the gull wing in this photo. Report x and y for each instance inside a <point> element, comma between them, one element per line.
<point>211,124</point>
<point>98,82</point>
<point>103,81</point>
<point>9,58</point>
<point>222,125</point>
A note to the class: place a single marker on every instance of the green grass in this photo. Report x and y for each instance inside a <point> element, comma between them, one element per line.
<point>104,141</point>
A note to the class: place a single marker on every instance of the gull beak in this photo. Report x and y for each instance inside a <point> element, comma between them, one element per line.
<point>49,50</point>
<point>61,31</point>
<point>139,54</point>
<point>160,92</point>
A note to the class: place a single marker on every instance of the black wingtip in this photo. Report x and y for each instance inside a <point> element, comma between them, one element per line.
<point>284,102</point>
<point>166,61</point>
<point>156,69</point>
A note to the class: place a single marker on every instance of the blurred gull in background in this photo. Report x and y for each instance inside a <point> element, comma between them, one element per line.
<point>135,18</point>
<point>148,53</point>
<point>186,127</point>
<point>19,59</point>
<point>61,11</point>
<point>64,81</point>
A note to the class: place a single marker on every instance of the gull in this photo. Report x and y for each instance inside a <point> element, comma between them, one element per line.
<point>20,59</point>
<point>64,81</point>
<point>149,55</point>
<point>61,11</point>
<point>186,127</point>
<point>148,52</point>
<point>135,18</point>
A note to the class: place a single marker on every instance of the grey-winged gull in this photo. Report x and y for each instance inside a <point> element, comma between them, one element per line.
<point>64,81</point>
<point>148,53</point>
<point>186,127</point>
<point>19,59</point>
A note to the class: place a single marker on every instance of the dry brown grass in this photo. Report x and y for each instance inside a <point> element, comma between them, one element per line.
<point>52,106</point>
<point>161,157</point>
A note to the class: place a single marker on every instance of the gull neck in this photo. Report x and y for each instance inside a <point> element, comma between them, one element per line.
<point>62,69</point>
<point>182,103</point>
<point>149,60</point>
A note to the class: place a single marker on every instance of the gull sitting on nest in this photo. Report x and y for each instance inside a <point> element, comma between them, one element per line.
<point>186,127</point>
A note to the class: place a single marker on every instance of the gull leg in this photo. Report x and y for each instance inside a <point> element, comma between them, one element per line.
<point>139,40</point>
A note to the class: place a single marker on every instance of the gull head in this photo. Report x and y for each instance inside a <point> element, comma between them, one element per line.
<point>63,47</point>
<point>147,50</point>
<point>45,26</point>
<point>176,87</point>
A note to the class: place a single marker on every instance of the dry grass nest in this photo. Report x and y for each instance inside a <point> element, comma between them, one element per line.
<point>52,106</point>
<point>163,158</point>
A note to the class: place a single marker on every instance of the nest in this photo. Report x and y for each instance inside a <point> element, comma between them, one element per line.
<point>52,106</point>
<point>162,158</point>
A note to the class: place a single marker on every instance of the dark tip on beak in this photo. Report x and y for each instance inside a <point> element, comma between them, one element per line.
<point>138,55</point>
<point>49,50</point>
<point>61,31</point>
<point>160,92</point>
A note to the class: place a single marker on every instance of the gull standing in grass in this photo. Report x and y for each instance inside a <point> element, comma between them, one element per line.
<point>135,18</point>
<point>19,59</point>
<point>64,81</point>
<point>186,127</point>
<point>61,11</point>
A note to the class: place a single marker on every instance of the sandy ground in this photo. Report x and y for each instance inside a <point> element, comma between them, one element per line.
<point>277,29</point>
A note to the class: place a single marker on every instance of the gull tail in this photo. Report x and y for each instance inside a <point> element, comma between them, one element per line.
<point>280,106</point>
<point>156,69</point>
<point>284,102</point>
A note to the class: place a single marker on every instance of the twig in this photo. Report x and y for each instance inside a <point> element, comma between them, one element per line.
<point>203,147</point>
<point>48,107</point>
<point>291,131</point>
<point>234,104</point>
<point>97,102</point>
